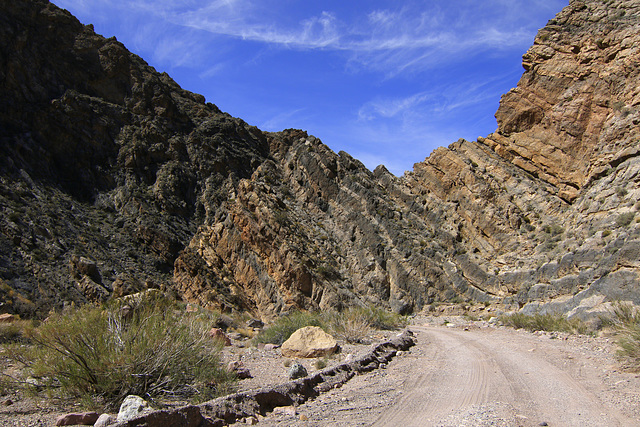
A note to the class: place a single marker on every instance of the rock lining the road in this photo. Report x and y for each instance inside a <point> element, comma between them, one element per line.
<point>229,409</point>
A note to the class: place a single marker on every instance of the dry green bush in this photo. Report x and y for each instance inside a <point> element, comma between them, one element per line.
<point>280,330</point>
<point>544,322</point>
<point>626,319</point>
<point>384,320</point>
<point>104,354</point>
<point>352,324</point>
<point>15,331</point>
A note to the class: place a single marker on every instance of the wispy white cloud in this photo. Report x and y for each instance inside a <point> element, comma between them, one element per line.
<point>402,109</point>
<point>439,101</point>
<point>390,40</point>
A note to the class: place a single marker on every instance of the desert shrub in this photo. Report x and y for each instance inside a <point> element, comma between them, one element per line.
<point>104,354</point>
<point>621,191</point>
<point>14,332</point>
<point>626,319</point>
<point>351,325</point>
<point>356,323</point>
<point>553,229</point>
<point>625,219</point>
<point>544,322</point>
<point>280,330</point>
<point>321,363</point>
<point>382,319</point>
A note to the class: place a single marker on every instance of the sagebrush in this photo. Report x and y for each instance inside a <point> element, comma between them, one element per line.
<point>545,322</point>
<point>105,354</point>
<point>352,325</point>
<point>626,319</point>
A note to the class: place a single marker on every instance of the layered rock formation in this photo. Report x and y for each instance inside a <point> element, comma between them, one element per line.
<point>113,178</point>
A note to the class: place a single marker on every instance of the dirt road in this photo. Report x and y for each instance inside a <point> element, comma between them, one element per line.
<point>472,375</point>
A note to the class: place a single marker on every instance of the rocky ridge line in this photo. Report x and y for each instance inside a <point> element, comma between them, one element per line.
<point>114,179</point>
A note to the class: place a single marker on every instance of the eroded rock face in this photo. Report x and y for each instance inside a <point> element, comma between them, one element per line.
<point>113,179</point>
<point>544,205</point>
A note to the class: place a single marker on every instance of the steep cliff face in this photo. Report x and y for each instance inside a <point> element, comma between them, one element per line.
<point>546,206</point>
<point>113,178</point>
<point>100,157</point>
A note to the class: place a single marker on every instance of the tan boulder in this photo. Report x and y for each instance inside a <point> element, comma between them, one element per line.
<point>218,334</point>
<point>310,341</point>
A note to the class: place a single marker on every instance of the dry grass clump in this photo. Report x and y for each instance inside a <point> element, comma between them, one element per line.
<point>352,325</point>
<point>626,319</point>
<point>102,354</point>
<point>280,330</point>
<point>545,322</point>
<point>14,332</point>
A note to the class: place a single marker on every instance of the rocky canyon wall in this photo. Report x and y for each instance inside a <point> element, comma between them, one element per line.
<point>114,179</point>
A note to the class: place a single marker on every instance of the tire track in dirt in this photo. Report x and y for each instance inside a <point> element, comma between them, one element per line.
<point>480,377</point>
<point>466,375</point>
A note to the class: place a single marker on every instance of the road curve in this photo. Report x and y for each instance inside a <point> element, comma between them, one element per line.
<point>478,375</point>
<point>475,377</point>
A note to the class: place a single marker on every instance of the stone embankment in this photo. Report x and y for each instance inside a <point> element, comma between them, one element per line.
<point>229,409</point>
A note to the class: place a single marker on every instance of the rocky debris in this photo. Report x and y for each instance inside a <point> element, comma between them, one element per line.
<point>255,323</point>
<point>297,370</point>
<point>224,322</point>
<point>217,334</point>
<point>105,420</point>
<point>125,285</point>
<point>187,416</point>
<point>251,420</point>
<point>132,407</point>
<point>238,406</point>
<point>308,342</point>
<point>239,369</point>
<point>85,419</point>
<point>81,266</point>
<point>289,411</point>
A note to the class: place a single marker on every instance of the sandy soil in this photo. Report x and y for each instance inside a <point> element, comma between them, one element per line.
<point>474,374</point>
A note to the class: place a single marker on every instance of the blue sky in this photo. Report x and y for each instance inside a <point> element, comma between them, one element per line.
<point>385,81</point>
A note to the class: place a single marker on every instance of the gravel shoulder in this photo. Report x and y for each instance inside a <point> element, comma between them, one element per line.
<point>474,374</point>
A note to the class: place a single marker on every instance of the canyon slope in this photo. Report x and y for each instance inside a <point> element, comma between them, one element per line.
<point>113,179</point>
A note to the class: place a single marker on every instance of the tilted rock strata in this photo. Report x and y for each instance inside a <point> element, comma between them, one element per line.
<point>548,201</point>
<point>114,179</point>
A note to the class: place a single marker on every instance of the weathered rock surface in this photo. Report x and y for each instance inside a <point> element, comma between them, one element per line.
<point>132,407</point>
<point>113,179</point>
<point>546,206</point>
<point>218,335</point>
<point>7,318</point>
<point>85,419</point>
<point>297,370</point>
<point>104,420</point>
<point>310,341</point>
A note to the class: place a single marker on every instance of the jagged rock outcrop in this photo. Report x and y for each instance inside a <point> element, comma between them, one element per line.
<point>546,206</point>
<point>114,179</point>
